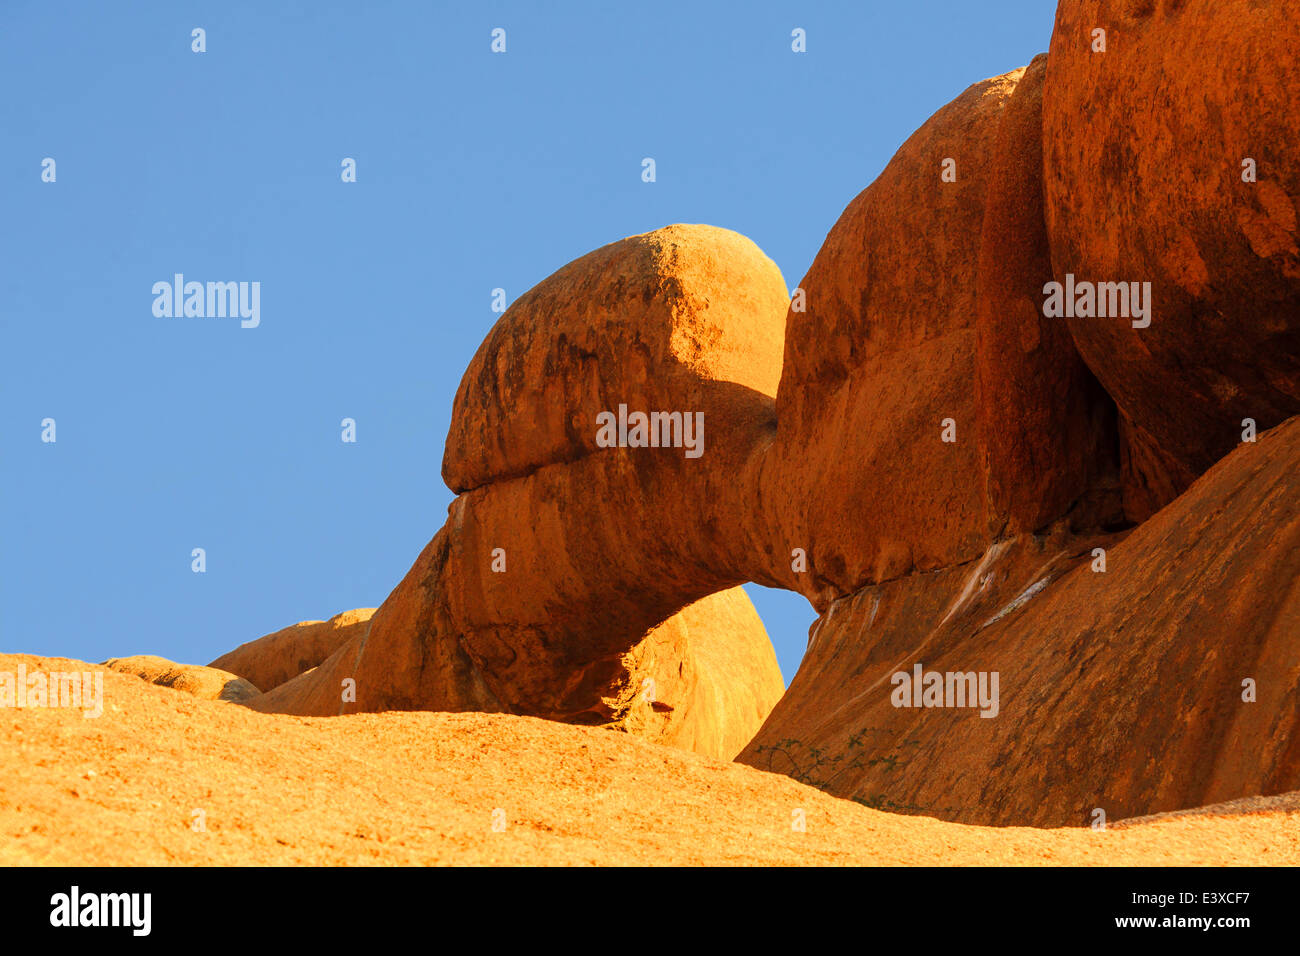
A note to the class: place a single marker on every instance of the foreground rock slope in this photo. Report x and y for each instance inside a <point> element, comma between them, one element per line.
<point>422,788</point>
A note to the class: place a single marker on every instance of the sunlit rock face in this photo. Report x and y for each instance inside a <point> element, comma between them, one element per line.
<point>1053,544</point>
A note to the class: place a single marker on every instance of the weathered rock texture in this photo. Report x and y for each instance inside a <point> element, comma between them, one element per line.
<point>714,662</point>
<point>271,660</point>
<point>885,353</point>
<point>426,788</point>
<point>207,683</point>
<point>1048,431</point>
<point>548,590</point>
<point>1120,690</point>
<point>704,680</point>
<point>686,317</point>
<point>1143,153</point>
<point>923,314</point>
<point>922,453</point>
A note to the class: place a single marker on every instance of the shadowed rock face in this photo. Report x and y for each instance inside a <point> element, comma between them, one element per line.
<point>568,574</point>
<point>1143,153</point>
<point>1048,430</point>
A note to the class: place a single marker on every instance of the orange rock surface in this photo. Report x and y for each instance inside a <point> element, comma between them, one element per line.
<point>945,458</point>
<point>1121,690</point>
<point>271,660</point>
<point>858,475</point>
<point>975,553</point>
<point>208,683</point>
<point>1047,430</point>
<point>1143,155</point>
<point>685,317</point>
<point>427,788</point>
<point>535,600</point>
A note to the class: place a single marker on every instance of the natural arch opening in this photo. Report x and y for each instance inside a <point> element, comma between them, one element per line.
<point>788,618</point>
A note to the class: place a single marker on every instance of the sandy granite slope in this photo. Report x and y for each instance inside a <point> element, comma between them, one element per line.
<point>417,788</point>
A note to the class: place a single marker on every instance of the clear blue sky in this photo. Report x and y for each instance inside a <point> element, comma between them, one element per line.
<point>474,171</point>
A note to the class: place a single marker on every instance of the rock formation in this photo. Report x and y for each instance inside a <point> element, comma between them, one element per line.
<point>1146,150</point>
<point>954,476</point>
<point>548,592</point>
<point>703,680</point>
<point>271,660</point>
<point>206,683</point>
<point>1123,689</point>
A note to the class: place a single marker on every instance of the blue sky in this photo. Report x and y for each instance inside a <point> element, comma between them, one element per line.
<point>474,171</point>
